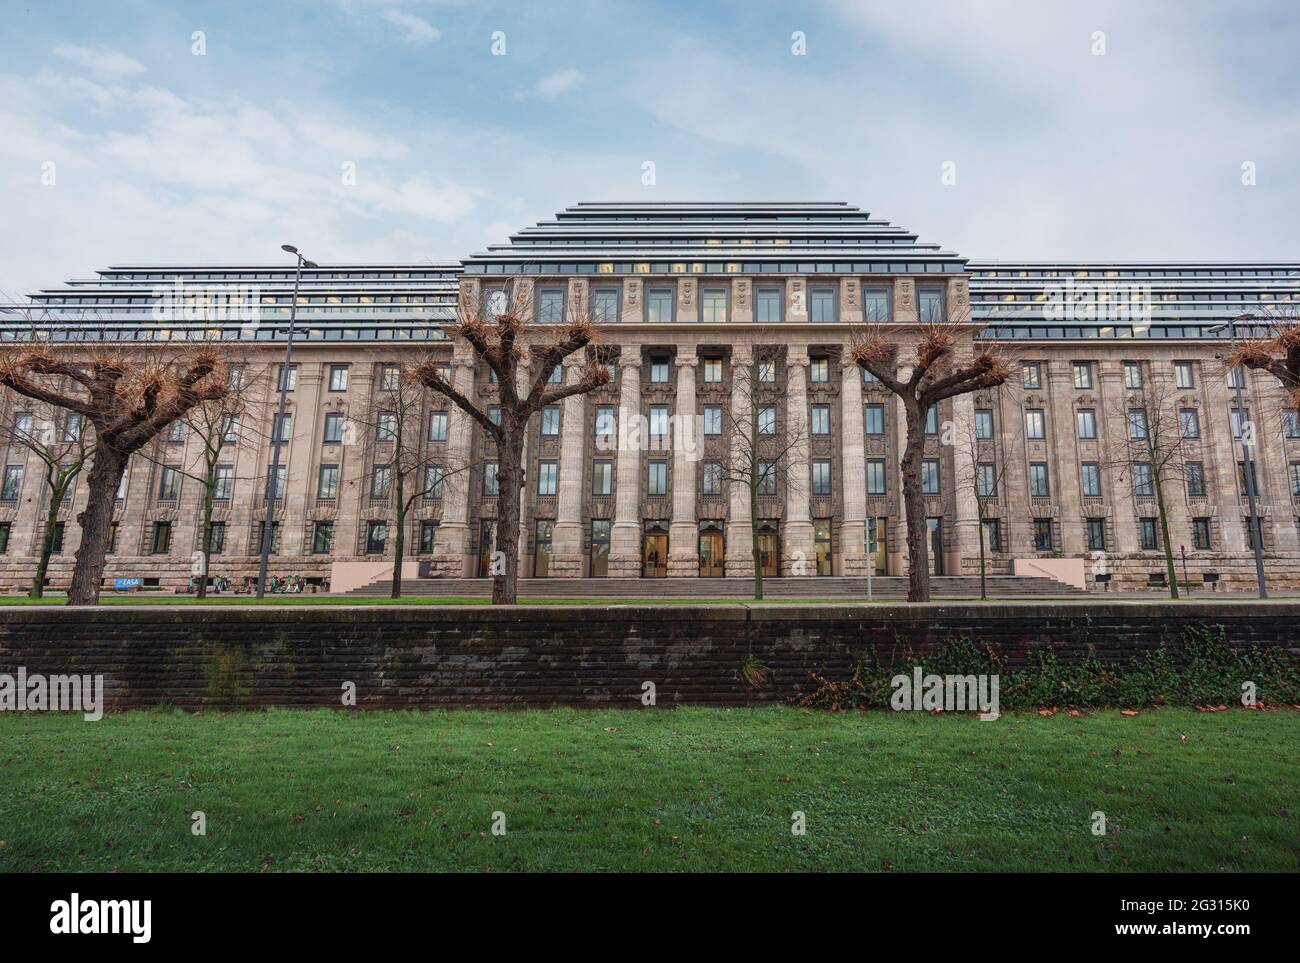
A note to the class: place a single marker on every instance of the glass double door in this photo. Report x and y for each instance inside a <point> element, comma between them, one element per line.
<point>769,548</point>
<point>654,551</point>
<point>712,550</point>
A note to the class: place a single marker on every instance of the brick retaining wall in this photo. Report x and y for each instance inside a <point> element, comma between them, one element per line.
<point>416,656</point>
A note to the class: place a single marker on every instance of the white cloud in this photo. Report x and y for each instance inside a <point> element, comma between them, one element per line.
<point>101,60</point>
<point>558,83</point>
<point>415,30</point>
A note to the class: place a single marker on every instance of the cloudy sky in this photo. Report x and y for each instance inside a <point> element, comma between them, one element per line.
<point>420,130</point>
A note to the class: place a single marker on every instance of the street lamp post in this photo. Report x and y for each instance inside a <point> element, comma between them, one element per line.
<point>268,526</point>
<point>1248,469</point>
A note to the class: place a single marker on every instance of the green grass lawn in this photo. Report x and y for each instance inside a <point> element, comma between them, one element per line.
<point>685,789</point>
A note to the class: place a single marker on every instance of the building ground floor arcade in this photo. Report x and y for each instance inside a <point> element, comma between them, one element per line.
<point>602,501</point>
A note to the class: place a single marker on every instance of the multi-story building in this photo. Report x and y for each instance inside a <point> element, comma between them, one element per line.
<point>686,297</point>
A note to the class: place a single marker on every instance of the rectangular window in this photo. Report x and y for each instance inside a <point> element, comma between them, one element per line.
<point>821,419</point>
<point>1031,375</point>
<point>162,538</point>
<point>338,377</point>
<point>223,483</point>
<point>819,371</point>
<point>4,536</point>
<point>606,421</point>
<point>1201,534</point>
<point>1295,478</point>
<point>602,477</point>
<point>56,543</point>
<point>875,305</point>
<point>868,378</point>
<point>275,537</point>
<point>1083,374</point>
<point>556,376</point>
<point>1039,486</point>
<point>1132,374</point>
<point>659,423</point>
<point>713,371</point>
<point>932,420</point>
<point>1137,424</point>
<point>551,420</point>
<point>1143,486</point>
<point>547,477</point>
<point>930,476</point>
<point>428,537</point>
<point>1090,478</point>
<point>986,480</point>
<point>1241,477</point>
<point>657,478</point>
<point>327,485</point>
<point>286,384</point>
<point>659,304</point>
<point>494,414</point>
<point>712,478</point>
<point>433,476</point>
<point>229,428</point>
<point>821,476</point>
<point>767,478</point>
<point>1195,479</point>
<point>1148,541</point>
<point>767,420</point>
<point>1183,374</point>
<point>1240,421</point>
<point>1086,421</point>
<point>821,305</point>
<point>767,371</point>
<point>713,305</point>
<point>875,476</point>
<point>333,427</point>
<point>605,305</point>
<point>769,302</point>
<point>1096,534</point>
<point>659,371</point>
<point>283,430</point>
<point>929,305</point>
<point>490,486</point>
<point>218,541</point>
<point>376,538</point>
<point>437,426</point>
<point>277,488</point>
<point>713,420</point>
<point>1042,534</point>
<point>72,429</point>
<point>169,483</point>
<point>550,306</point>
<point>992,529</point>
<point>386,427</point>
<point>983,423</point>
<point>390,377</point>
<point>1189,421</point>
<point>873,419</point>
<point>1034,423</point>
<point>381,480</point>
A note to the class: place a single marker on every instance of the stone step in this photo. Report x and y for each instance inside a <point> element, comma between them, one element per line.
<point>1000,586</point>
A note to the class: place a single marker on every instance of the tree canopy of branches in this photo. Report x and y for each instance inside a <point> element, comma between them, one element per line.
<point>128,394</point>
<point>936,375</point>
<point>1278,352</point>
<point>501,334</point>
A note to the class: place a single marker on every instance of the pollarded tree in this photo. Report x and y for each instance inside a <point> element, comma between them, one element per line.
<point>1277,352</point>
<point>936,376</point>
<point>501,330</point>
<point>128,394</point>
<point>58,439</point>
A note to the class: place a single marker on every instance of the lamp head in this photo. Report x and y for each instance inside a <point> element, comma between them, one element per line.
<point>289,247</point>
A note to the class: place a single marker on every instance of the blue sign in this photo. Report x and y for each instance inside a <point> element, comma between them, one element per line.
<point>126,583</point>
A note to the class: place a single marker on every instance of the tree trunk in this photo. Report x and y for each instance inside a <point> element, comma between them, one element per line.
<point>95,521</point>
<point>918,564</point>
<point>753,506</point>
<point>399,540</point>
<point>56,484</point>
<point>510,479</point>
<point>984,589</point>
<point>1164,538</point>
<point>206,553</point>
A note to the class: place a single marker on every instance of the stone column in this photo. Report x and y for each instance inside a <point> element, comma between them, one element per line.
<point>683,530</point>
<point>625,533</point>
<point>452,550</point>
<point>1066,490</point>
<point>966,527</point>
<point>740,536</point>
<point>853,547</point>
<point>523,375</point>
<point>797,539</point>
<point>566,538</point>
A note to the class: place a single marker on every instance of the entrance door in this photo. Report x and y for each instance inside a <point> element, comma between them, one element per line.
<point>822,544</point>
<point>654,558</point>
<point>711,550</point>
<point>769,549</point>
<point>935,525</point>
<point>487,543</point>
<point>599,547</point>
<point>542,555</point>
<point>876,545</point>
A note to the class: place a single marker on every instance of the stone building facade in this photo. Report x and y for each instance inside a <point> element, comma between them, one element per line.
<point>694,302</point>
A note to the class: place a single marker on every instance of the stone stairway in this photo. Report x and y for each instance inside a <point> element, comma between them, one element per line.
<point>847,589</point>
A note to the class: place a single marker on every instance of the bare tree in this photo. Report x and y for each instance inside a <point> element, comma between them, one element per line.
<point>58,438</point>
<point>759,455</point>
<point>1154,453</point>
<point>392,419</point>
<point>500,330</point>
<point>936,376</point>
<point>985,488</point>
<point>128,394</point>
